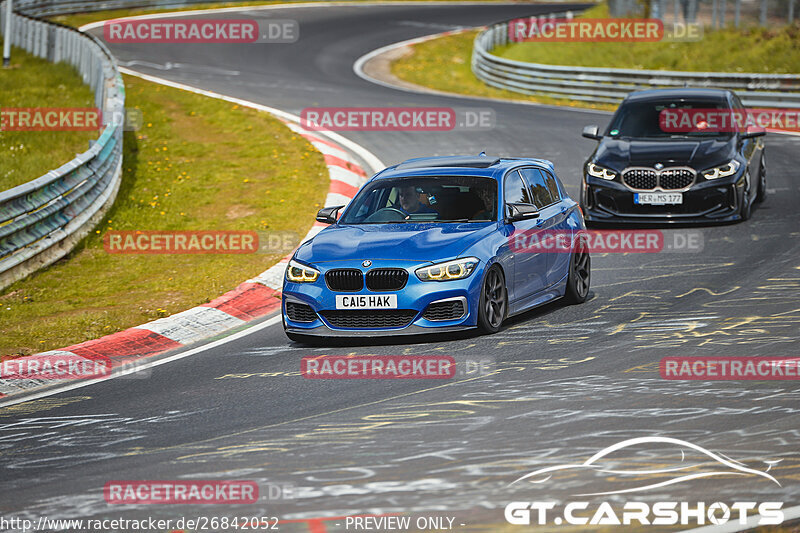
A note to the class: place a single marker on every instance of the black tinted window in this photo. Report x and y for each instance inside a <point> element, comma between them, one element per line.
<point>552,185</point>
<point>536,180</point>
<point>516,192</point>
<point>642,118</point>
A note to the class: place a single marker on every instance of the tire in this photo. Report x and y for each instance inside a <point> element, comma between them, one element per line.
<point>746,208</point>
<point>493,306</point>
<point>761,194</point>
<point>580,276</point>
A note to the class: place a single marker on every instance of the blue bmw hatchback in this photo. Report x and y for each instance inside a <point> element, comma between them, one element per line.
<point>427,246</point>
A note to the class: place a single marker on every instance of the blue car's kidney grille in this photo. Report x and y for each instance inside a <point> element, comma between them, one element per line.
<point>369,319</point>
<point>641,178</point>
<point>344,279</point>
<point>386,279</point>
<point>451,310</point>
<point>677,178</point>
<point>300,312</point>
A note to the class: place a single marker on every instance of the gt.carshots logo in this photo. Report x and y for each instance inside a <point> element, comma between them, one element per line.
<point>695,463</point>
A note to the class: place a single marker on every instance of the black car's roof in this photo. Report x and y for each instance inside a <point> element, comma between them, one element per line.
<point>680,93</point>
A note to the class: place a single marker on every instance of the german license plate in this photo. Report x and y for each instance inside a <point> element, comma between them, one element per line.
<point>658,198</point>
<point>359,301</point>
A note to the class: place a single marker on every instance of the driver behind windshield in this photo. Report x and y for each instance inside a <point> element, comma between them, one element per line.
<point>409,201</point>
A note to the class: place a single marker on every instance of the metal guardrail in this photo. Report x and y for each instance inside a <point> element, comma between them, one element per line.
<point>611,85</point>
<point>42,220</point>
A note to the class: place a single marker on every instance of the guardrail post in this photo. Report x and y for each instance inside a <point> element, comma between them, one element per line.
<point>790,17</point>
<point>737,14</point>
<point>7,34</point>
<point>762,17</point>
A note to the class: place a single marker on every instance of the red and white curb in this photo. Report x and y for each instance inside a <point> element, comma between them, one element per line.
<point>252,299</point>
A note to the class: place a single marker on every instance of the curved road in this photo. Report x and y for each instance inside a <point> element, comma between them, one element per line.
<point>567,381</point>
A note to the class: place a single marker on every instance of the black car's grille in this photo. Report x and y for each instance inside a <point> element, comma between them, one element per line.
<point>451,310</point>
<point>648,179</point>
<point>386,279</point>
<point>369,319</point>
<point>640,178</point>
<point>300,312</point>
<point>344,279</point>
<point>675,178</point>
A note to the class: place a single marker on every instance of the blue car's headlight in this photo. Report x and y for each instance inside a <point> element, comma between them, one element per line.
<point>297,273</point>
<point>727,169</point>
<point>600,172</point>
<point>449,270</point>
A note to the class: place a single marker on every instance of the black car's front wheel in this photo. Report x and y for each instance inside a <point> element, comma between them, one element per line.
<point>761,194</point>
<point>746,209</point>
<point>580,276</point>
<point>493,306</point>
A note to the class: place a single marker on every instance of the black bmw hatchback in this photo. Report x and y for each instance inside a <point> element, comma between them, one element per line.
<point>646,170</point>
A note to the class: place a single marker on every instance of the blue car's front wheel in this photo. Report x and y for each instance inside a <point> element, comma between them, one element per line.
<point>493,305</point>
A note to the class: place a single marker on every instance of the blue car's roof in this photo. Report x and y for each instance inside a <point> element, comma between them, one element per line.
<point>490,167</point>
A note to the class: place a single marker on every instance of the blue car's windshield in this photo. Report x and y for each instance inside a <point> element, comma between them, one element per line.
<point>424,199</point>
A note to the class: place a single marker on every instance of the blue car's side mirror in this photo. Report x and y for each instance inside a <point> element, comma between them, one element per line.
<point>521,212</point>
<point>327,215</point>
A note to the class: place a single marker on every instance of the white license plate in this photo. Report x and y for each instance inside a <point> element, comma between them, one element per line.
<point>363,301</point>
<point>658,198</point>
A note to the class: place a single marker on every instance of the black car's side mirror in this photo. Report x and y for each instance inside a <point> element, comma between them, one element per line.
<point>521,212</point>
<point>751,134</point>
<point>327,215</point>
<point>592,132</point>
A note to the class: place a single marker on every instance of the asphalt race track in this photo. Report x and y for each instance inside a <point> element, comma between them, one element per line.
<point>567,381</point>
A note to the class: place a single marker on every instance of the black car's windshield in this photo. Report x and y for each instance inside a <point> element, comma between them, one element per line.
<point>646,119</point>
<point>424,199</point>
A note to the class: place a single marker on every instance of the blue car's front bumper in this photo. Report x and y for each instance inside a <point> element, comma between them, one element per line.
<point>412,302</point>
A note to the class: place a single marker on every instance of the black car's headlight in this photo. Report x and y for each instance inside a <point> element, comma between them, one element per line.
<point>449,270</point>
<point>728,169</point>
<point>297,273</point>
<point>600,172</point>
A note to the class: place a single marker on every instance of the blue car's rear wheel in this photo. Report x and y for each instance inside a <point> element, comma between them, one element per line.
<point>493,306</point>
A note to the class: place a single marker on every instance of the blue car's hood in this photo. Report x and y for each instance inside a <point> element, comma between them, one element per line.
<point>399,242</point>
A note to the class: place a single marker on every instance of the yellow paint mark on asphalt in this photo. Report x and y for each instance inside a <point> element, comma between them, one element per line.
<point>645,368</point>
<point>44,404</point>
<point>709,291</point>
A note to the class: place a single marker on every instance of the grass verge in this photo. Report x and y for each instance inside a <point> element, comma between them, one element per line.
<point>197,164</point>
<point>762,50</point>
<point>444,63</point>
<point>33,82</point>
